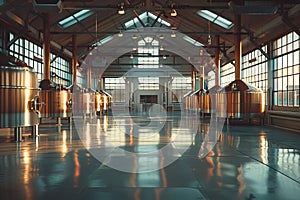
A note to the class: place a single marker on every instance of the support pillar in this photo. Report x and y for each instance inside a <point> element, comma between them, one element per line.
<point>101,82</point>
<point>238,46</point>
<point>217,60</point>
<point>270,96</point>
<point>193,78</point>
<point>74,59</point>
<point>46,46</point>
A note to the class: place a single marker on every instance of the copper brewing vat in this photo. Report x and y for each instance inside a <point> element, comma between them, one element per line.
<point>105,101</point>
<point>56,100</point>
<point>210,100</point>
<point>102,102</point>
<point>197,100</point>
<point>240,100</point>
<point>186,101</point>
<point>98,103</point>
<point>18,94</point>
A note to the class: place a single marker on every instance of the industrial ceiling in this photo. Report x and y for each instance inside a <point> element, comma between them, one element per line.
<point>261,21</point>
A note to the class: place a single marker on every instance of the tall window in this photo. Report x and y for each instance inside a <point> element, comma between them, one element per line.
<point>286,70</point>
<point>180,86</point>
<point>255,69</point>
<point>116,87</point>
<point>227,74</point>
<point>32,54</point>
<point>148,49</point>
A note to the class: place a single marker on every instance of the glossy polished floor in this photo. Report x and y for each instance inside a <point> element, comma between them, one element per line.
<point>248,162</point>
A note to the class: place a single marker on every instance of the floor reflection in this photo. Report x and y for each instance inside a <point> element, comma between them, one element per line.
<point>245,163</point>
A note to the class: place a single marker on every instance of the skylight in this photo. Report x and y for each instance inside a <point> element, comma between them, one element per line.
<point>192,41</point>
<point>144,17</point>
<point>103,41</point>
<point>75,18</point>
<point>217,19</point>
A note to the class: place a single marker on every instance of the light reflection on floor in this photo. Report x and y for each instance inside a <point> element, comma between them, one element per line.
<point>247,163</point>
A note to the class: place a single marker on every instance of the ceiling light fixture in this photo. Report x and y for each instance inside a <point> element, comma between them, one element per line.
<point>161,37</point>
<point>121,10</point>
<point>120,34</point>
<point>173,12</point>
<point>161,48</point>
<point>131,56</point>
<point>173,35</point>
<point>134,37</point>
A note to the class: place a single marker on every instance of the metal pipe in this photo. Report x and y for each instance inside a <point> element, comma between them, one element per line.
<point>238,46</point>
<point>217,61</point>
<point>74,59</point>
<point>58,121</point>
<point>35,130</point>
<point>47,46</point>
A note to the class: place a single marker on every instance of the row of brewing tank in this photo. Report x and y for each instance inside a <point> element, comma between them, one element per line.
<point>237,100</point>
<point>22,102</point>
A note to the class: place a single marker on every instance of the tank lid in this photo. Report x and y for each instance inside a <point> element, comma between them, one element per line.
<point>188,94</point>
<point>47,85</point>
<point>9,61</point>
<point>75,88</point>
<point>214,89</point>
<point>200,91</point>
<point>104,92</point>
<point>239,85</point>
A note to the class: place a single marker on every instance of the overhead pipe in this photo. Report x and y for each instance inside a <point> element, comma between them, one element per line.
<point>46,46</point>
<point>238,46</point>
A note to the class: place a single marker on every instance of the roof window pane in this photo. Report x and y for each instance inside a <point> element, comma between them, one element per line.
<point>146,18</point>
<point>103,41</point>
<point>217,19</point>
<point>75,18</point>
<point>192,41</point>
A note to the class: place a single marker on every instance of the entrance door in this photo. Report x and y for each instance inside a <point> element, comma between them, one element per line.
<point>148,99</point>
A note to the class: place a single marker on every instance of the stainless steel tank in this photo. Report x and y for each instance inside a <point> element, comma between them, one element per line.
<point>240,100</point>
<point>18,90</point>
<point>76,100</point>
<point>89,102</point>
<point>18,94</point>
<point>56,100</point>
